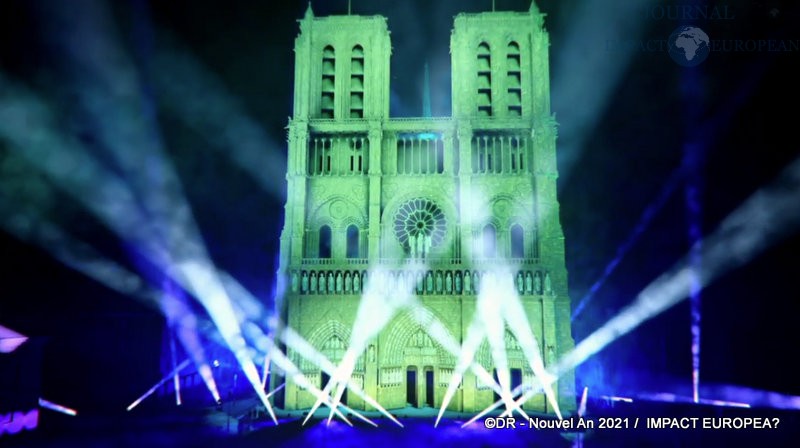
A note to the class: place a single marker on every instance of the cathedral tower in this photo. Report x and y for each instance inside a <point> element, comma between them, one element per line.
<point>462,194</point>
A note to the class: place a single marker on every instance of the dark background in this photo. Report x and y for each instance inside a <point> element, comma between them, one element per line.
<point>737,109</point>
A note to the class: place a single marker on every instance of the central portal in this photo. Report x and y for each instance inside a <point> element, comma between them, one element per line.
<point>324,381</point>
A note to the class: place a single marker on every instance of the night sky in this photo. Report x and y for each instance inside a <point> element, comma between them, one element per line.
<point>622,138</point>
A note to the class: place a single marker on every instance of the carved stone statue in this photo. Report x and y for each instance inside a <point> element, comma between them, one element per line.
<point>331,284</point>
<point>529,289</point>
<point>438,282</point>
<point>429,283</point>
<point>520,285</point>
<point>420,282</point>
<point>448,283</point>
<point>428,244</point>
<point>537,283</point>
<point>548,284</point>
<point>356,282</point>
<point>458,282</point>
<point>348,282</point>
<point>364,280</point>
<point>294,281</point>
<point>304,283</point>
<point>477,282</point>
<point>467,282</point>
<point>313,282</point>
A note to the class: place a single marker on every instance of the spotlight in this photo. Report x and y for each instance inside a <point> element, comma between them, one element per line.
<point>57,407</point>
<point>10,340</point>
<point>180,367</point>
<point>216,363</point>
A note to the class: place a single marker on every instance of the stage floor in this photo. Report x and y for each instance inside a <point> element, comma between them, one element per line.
<point>181,427</point>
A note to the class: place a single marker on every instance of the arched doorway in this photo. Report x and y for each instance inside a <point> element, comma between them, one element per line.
<point>324,381</point>
<point>333,349</point>
<point>411,386</point>
<point>429,386</point>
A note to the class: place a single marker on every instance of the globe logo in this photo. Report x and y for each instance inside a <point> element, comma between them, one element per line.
<point>688,46</point>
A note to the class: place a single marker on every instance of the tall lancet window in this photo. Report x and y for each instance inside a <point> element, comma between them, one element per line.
<point>325,242</point>
<point>357,82</point>
<point>513,80</point>
<point>352,242</point>
<point>484,80</point>
<point>328,82</point>
<point>489,241</point>
<point>517,242</point>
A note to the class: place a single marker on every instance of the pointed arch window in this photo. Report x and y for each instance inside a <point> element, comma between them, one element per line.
<point>489,241</point>
<point>484,80</point>
<point>352,242</point>
<point>357,82</point>
<point>513,80</point>
<point>328,82</point>
<point>325,242</point>
<point>517,242</point>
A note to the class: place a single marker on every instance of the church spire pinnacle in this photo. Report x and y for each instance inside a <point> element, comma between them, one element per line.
<point>426,93</point>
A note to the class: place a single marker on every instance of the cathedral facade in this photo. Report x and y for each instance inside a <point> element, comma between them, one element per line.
<point>460,194</point>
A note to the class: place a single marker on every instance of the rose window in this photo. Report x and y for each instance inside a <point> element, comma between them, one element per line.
<point>420,225</point>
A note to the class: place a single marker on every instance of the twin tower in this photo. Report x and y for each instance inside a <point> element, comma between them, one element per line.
<point>458,195</point>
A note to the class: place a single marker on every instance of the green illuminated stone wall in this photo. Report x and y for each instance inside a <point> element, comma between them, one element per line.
<point>367,190</point>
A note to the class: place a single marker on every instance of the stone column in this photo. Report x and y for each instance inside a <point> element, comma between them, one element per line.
<point>296,191</point>
<point>374,195</point>
<point>464,130</point>
<point>469,392</point>
<point>564,344</point>
<point>449,152</point>
<point>548,342</point>
<point>371,373</point>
